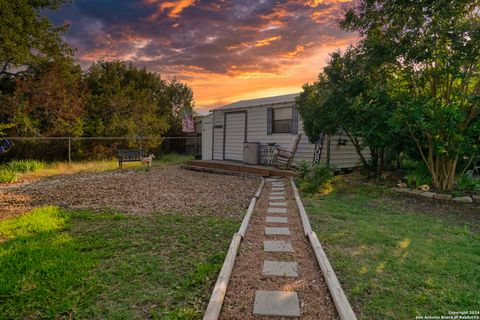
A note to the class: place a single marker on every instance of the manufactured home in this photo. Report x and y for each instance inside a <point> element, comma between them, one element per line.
<point>268,124</point>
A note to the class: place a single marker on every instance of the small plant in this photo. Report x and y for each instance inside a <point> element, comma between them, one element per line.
<point>7,176</point>
<point>303,169</point>
<point>24,166</point>
<point>419,175</point>
<point>467,183</point>
<point>316,178</point>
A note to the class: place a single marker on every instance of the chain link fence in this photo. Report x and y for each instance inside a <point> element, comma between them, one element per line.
<point>95,148</point>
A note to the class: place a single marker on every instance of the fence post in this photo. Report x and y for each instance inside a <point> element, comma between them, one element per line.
<point>69,152</point>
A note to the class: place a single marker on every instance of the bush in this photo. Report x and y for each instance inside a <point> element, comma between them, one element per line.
<point>24,166</point>
<point>467,183</point>
<point>419,175</point>
<point>313,179</point>
<point>7,176</point>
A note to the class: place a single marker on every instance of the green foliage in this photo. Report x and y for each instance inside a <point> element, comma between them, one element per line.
<point>27,36</point>
<point>314,179</point>
<point>7,176</point>
<point>351,96</point>
<point>467,183</point>
<point>431,50</point>
<point>24,166</point>
<point>419,175</point>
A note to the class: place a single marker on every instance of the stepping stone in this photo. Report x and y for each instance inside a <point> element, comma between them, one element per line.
<point>278,184</point>
<point>272,180</point>
<point>277,210</point>
<point>280,269</point>
<point>276,220</point>
<point>274,231</point>
<point>277,204</point>
<point>277,198</point>
<point>277,246</point>
<point>276,303</point>
<point>277,193</point>
<point>278,189</point>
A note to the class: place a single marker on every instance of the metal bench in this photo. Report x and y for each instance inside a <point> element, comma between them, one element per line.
<point>131,155</point>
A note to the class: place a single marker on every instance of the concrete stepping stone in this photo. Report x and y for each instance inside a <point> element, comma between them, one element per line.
<point>278,184</point>
<point>280,269</point>
<point>277,198</point>
<point>277,193</point>
<point>274,231</point>
<point>276,303</point>
<point>278,189</point>
<point>276,220</point>
<point>277,246</point>
<point>277,204</point>
<point>277,210</point>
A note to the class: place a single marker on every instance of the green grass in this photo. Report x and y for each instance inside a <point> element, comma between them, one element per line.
<point>396,262</point>
<point>172,158</point>
<point>24,166</point>
<point>83,265</point>
<point>7,176</point>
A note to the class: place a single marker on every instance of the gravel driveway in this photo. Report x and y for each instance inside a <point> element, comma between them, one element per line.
<point>137,192</point>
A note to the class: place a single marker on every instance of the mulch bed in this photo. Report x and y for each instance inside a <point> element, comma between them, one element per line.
<point>315,300</point>
<point>136,192</point>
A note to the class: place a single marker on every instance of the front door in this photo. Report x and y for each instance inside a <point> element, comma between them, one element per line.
<point>235,125</point>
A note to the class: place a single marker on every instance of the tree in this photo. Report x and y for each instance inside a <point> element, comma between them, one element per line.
<point>178,99</point>
<point>124,101</point>
<point>433,48</point>
<point>26,36</point>
<point>352,96</point>
<point>48,101</point>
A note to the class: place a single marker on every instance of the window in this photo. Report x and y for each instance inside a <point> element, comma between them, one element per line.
<point>282,120</point>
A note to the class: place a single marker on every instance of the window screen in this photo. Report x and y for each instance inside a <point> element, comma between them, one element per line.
<point>282,120</point>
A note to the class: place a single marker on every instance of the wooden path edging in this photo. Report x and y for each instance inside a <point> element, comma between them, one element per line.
<point>339,298</point>
<point>218,295</point>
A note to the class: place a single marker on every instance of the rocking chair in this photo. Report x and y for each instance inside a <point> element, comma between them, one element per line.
<point>284,158</point>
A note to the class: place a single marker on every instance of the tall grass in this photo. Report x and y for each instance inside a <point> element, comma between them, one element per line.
<point>7,176</point>
<point>24,166</point>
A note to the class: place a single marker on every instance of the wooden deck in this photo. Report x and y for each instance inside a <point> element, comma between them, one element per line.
<point>231,167</point>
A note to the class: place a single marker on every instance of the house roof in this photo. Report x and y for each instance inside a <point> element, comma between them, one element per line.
<point>259,102</point>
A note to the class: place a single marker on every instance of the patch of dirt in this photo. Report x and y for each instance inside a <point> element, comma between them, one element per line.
<point>137,192</point>
<point>407,203</point>
<point>459,212</point>
<point>246,278</point>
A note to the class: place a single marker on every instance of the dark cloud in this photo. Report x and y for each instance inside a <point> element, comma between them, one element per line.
<point>224,37</point>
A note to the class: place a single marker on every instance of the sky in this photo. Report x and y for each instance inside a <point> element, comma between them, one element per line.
<point>225,50</point>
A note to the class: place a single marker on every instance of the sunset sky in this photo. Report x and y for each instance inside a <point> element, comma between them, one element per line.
<point>225,50</point>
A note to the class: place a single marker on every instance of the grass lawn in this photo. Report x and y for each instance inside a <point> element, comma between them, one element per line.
<point>397,259</point>
<point>78,264</point>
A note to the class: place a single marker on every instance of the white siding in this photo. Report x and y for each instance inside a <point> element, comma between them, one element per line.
<point>341,156</point>
<point>234,135</point>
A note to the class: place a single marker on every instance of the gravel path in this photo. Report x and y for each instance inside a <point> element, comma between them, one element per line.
<point>247,278</point>
<point>136,192</point>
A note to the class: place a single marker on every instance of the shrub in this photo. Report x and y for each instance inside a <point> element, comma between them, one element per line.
<point>313,179</point>
<point>7,176</point>
<point>23,166</point>
<point>467,183</point>
<point>419,175</point>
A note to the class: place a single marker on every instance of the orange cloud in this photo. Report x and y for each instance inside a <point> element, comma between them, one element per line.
<point>174,8</point>
<point>299,49</point>
<point>267,41</point>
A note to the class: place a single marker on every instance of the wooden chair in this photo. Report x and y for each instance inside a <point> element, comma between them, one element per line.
<point>284,158</point>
